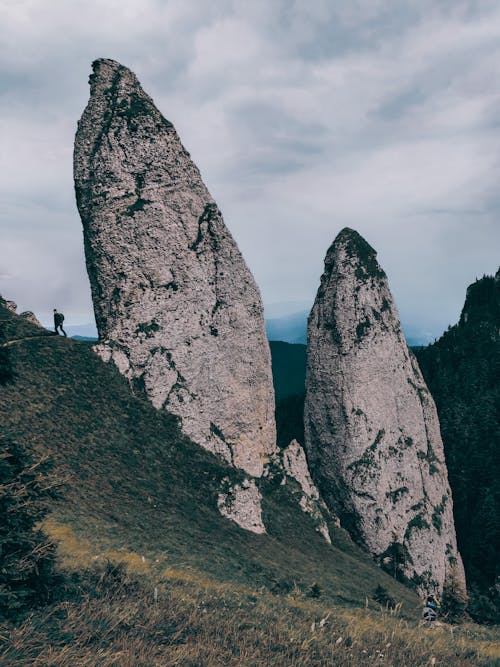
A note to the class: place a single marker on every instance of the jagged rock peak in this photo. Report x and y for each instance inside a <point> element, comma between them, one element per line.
<point>371,428</point>
<point>356,247</point>
<point>176,307</point>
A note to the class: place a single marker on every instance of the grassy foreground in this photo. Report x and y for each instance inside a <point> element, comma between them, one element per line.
<point>115,619</point>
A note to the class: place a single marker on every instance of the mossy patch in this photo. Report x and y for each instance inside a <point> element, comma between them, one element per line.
<point>362,329</point>
<point>398,493</point>
<point>147,328</point>
<point>437,514</point>
<point>417,523</point>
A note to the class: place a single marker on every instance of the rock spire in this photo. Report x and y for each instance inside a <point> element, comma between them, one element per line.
<point>371,428</point>
<point>176,307</point>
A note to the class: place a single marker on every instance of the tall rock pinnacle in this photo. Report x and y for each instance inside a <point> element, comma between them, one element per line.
<point>177,308</point>
<point>371,427</point>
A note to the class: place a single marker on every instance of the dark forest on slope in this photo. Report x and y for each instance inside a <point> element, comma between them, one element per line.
<point>462,370</point>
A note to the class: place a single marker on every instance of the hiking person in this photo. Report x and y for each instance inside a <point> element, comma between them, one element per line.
<point>58,322</point>
<point>430,610</point>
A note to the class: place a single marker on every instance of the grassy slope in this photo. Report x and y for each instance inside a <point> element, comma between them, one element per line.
<point>135,483</point>
<point>140,492</point>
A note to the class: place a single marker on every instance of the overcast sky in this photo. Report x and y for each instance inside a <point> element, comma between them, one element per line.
<point>304,116</point>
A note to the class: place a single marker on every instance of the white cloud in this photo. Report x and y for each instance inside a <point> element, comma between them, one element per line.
<point>303,117</point>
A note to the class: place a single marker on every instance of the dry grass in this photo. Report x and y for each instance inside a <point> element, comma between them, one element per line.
<point>117,622</point>
<point>75,553</point>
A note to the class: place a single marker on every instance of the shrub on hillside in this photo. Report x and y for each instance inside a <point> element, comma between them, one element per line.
<point>314,591</point>
<point>454,600</point>
<point>382,596</point>
<point>484,607</point>
<point>6,370</point>
<point>26,556</point>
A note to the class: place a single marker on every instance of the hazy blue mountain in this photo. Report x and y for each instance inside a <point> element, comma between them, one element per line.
<point>82,331</point>
<point>289,328</point>
<point>292,328</point>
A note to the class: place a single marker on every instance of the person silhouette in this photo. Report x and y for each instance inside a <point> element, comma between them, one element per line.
<point>430,610</point>
<point>58,322</point>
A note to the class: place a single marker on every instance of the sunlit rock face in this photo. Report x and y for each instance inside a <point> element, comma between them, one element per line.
<point>177,308</point>
<point>371,428</point>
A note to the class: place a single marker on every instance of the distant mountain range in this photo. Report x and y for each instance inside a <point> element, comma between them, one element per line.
<point>288,328</point>
<point>292,328</point>
<point>82,331</point>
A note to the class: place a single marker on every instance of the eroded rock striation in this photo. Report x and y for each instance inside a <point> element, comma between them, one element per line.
<point>371,428</point>
<point>176,307</point>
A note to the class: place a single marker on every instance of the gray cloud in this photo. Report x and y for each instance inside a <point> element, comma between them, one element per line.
<point>303,117</point>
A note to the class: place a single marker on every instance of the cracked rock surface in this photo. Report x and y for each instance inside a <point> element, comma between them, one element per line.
<point>371,429</point>
<point>176,307</point>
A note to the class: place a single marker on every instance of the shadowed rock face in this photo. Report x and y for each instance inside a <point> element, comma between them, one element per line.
<point>371,428</point>
<point>177,309</point>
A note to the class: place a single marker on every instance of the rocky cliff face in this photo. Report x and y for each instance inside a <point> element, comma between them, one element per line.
<point>177,309</point>
<point>371,427</point>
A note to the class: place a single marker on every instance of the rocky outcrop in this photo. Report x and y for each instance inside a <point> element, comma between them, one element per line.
<point>371,428</point>
<point>28,315</point>
<point>242,503</point>
<point>294,464</point>
<point>176,307</point>
<point>31,317</point>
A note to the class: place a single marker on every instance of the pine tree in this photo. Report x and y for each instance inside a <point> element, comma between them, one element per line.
<point>394,560</point>
<point>454,600</point>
